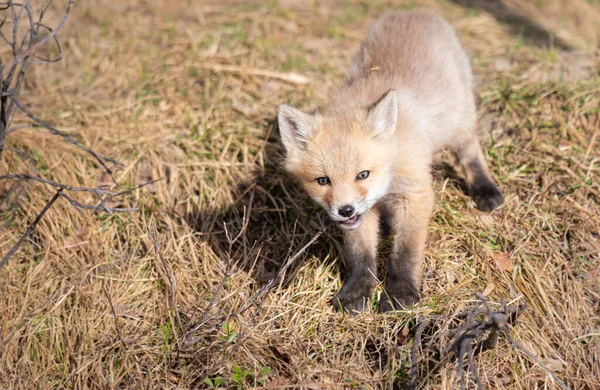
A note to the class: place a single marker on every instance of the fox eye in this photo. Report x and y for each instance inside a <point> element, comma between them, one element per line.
<point>363,175</point>
<point>323,181</point>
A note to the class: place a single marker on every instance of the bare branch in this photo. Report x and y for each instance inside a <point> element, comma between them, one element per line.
<point>20,56</point>
<point>20,127</point>
<point>22,154</point>
<point>30,229</point>
<point>267,287</point>
<point>100,207</point>
<point>99,157</point>
<point>117,324</point>
<point>98,191</point>
<point>24,176</point>
<point>464,341</point>
<point>414,353</point>
<point>24,50</point>
<point>125,192</point>
<point>531,356</point>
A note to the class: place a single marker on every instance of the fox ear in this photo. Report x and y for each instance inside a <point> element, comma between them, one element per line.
<point>383,115</point>
<point>295,127</point>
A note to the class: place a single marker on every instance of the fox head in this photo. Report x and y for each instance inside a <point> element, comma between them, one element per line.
<point>343,159</point>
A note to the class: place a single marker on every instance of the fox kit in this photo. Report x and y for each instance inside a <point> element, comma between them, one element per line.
<point>408,94</point>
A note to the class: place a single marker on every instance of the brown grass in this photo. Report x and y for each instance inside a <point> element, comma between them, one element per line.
<point>154,299</point>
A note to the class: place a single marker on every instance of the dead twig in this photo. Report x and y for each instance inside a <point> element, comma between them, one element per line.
<point>22,154</point>
<point>30,229</point>
<point>168,271</point>
<point>415,351</point>
<point>21,57</point>
<point>267,287</point>
<point>469,339</point>
<point>24,47</point>
<point>102,159</point>
<point>242,335</point>
<point>117,324</point>
<point>103,193</point>
<point>293,78</point>
<point>33,47</point>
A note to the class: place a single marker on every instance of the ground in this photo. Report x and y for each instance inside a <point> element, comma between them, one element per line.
<point>186,92</point>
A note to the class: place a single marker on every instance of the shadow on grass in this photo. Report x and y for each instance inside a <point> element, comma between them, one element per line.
<point>520,26</point>
<point>272,218</point>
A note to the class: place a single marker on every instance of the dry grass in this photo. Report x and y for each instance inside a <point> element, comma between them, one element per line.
<point>156,299</point>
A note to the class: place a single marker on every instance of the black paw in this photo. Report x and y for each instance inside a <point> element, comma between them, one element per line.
<point>487,196</point>
<point>354,298</point>
<point>398,298</point>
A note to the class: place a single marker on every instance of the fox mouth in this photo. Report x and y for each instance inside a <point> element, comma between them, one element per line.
<point>352,222</point>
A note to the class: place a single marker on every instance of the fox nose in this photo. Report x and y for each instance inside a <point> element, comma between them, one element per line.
<point>346,211</point>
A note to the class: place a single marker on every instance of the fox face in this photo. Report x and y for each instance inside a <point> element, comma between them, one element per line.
<point>344,160</point>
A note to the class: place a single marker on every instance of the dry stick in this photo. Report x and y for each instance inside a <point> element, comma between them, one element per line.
<point>125,192</point>
<point>473,367</point>
<point>267,287</point>
<point>21,127</point>
<point>99,191</point>
<point>293,78</point>
<point>496,322</point>
<point>22,154</point>
<point>22,55</point>
<point>24,176</point>
<point>99,157</point>
<point>100,207</point>
<point>117,325</point>
<point>265,290</point>
<point>189,339</point>
<point>530,355</point>
<point>414,353</point>
<point>167,270</point>
<point>463,336</point>
<point>30,229</point>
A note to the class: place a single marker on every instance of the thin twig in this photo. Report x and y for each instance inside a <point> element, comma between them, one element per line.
<point>168,271</point>
<point>100,207</point>
<point>531,356</point>
<point>293,78</point>
<point>99,157</point>
<point>20,56</point>
<point>24,176</point>
<point>117,324</point>
<point>267,287</point>
<point>99,191</point>
<point>415,351</point>
<point>30,229</point>
<point>463,341</point>
<point>22,154</point>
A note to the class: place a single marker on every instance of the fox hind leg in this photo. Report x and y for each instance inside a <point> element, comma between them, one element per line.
<point>480,185</point>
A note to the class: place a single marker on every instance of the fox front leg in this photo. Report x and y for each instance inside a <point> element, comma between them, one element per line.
<point>410,218</point>
<point>361,265</point>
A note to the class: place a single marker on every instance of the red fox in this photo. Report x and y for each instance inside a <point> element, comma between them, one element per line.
<point>368,156</point>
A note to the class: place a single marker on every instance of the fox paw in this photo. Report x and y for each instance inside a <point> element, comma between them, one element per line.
<point>353,298</point>
<point>487,196</point>
<point>398,298</point>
